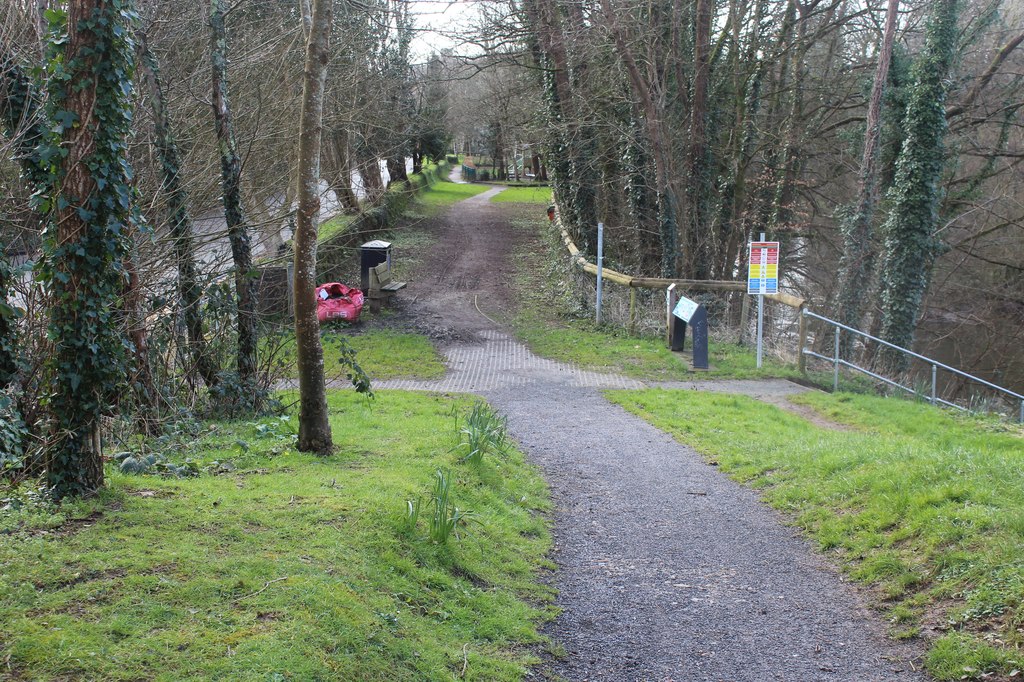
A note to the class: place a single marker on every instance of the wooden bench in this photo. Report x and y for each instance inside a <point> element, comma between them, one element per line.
<point>382,286</point>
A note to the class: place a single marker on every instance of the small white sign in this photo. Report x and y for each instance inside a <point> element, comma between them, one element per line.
<point>685,309</point>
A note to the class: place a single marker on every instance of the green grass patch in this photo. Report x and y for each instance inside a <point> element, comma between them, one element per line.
<point>443,194</point>
<point>382,354</point>
<point>339,224</point>
<point>614,350</point>
<point>552,322</point>
<point>275,565</point>
<point>924,506</point>
<point>524,195</point>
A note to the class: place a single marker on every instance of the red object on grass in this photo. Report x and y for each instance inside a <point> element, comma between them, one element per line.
<point>336,301</point>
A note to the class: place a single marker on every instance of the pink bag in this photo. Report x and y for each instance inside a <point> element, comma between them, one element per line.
<point>336,301</point>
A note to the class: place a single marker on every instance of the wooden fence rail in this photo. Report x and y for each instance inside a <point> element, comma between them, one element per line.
<point>634,283</point>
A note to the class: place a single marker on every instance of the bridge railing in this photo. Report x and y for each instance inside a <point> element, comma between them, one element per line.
<point>932,395</point>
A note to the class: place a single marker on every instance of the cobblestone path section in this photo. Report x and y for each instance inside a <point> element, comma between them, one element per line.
<point>499,361</point>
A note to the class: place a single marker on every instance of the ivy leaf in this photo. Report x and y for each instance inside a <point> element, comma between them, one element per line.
<point>64,119</point>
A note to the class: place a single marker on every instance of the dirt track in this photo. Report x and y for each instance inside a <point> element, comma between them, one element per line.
<point>668,570</point>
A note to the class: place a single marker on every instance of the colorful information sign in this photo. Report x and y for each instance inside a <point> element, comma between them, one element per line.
<point>763,277</point>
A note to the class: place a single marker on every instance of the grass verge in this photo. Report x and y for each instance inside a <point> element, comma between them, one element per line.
<point>443,194</point>
<point>923,506</point>
<point>275,565</point>
<point>552,322</point>
<point>382,354</point>
<point>335,226</point>
<point>524,195</point>
<point>614,350</point>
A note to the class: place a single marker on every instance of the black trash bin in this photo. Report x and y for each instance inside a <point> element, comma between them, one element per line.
<point>372,254</point>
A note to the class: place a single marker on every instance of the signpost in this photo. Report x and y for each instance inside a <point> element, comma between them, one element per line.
<point>762,278</point>
<point>689,312</point>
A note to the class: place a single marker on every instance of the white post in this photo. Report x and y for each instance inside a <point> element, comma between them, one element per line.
<point>668,314</point>
<point>760,307</point>
<point>600,266</point>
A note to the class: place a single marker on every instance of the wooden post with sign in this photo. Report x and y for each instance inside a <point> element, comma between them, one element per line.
<point>688,313</point>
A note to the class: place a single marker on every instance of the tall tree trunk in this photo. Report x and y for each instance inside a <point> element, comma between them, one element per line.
<point>653,116</point>
<point>238,230</point>
<point>368,166</point>
<point>857,262</point>
<point>910,242</point>
<point>747,97</point>
<point>9,354</point>
<point>788,160</point>
<point>572,171</point>
<point>21,123</point>
<point>396,169</point>
<point>701,243</point>
<point>90,107</point>
<point>180,222</point>
<point>135,316</point>
<point>763,210</point>
<point>341,170</point>
<point>417,158</point>
<point>22,120</point>
<point>314,427</point>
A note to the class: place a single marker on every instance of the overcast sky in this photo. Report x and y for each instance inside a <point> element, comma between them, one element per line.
<point>438,23</point>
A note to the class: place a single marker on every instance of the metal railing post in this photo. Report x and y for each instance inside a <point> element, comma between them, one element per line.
<point>801,358</point>
<point>935,371</point>
<point>835,363</point>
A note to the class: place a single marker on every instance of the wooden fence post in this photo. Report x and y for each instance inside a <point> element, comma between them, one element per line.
<point>744,318</point>
<point>632,311</point>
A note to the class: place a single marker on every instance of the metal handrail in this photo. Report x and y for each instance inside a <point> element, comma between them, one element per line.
<point>838,362</point>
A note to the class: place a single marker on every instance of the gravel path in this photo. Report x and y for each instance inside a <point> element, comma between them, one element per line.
<point>667,570</point>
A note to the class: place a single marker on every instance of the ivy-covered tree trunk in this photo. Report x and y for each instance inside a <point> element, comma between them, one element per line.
<point>314,427</point>
<point>857,262</point>
<point>787,160</point>
<point>644,91</point>
<point>643,201</point>
<point>86,241</point>
<point>736,222</point>
<point>189,289</point>
<point>732,221</point>
<point>570,145</point>
<point>910,242</point>
<point>234,214</point>
<point>701,243</point>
